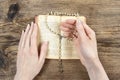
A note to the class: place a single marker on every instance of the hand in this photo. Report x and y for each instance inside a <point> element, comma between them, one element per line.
<point>29,60</point>
<point>85,42</point>
<point>84,39</point>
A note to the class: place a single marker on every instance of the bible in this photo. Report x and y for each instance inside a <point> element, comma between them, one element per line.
<point>49,31</point>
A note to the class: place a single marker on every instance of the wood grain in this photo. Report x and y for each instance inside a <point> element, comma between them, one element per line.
<point>103,16</point>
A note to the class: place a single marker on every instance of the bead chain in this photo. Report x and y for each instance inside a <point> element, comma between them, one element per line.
<point>60,62</point>
<point>59,54</point>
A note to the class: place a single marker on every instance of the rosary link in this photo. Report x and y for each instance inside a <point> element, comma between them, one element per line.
<point>60,60</point>
<point>60,64</point>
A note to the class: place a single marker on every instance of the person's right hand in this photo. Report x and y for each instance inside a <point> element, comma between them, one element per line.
<point>85,43</point>
<point>85,40</point>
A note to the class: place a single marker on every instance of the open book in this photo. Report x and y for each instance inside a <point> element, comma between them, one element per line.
<point>67,50</point>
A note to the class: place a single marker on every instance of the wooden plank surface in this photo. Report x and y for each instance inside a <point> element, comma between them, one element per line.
<point>103,16</point>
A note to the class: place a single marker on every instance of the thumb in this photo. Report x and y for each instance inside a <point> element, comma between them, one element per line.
<point>80,29</point>
<point>90,33</point>
<point>44,48</point>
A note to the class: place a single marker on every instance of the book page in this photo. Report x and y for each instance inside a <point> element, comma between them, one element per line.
<point>47,24</point>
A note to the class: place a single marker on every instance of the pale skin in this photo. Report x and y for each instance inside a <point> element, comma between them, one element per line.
<point>30,60</point>
<point>29,63</point>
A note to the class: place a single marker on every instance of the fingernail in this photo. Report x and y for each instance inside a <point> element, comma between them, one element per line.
<point>31,23</point>
<point>28,25</point>
<point>22,31</point>
<point>78,23</point>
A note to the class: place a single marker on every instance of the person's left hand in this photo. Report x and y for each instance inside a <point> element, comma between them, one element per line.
<point>29,60</point>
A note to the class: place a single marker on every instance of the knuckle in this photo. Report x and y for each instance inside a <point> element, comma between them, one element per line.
<point>67,29</point>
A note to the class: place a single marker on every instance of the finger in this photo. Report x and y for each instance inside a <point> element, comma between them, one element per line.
<point>43,52</point>
<point>70,21</point>
<point>89,32</point>
<point>21,39</point>
<point>66,29</point>
<point>24,36</point>
<point>29,36</point>
<point>19,55</point>
<point>80,29</point>
<point>67,25</point>
<point>34,39</point>
<point>66,34</point>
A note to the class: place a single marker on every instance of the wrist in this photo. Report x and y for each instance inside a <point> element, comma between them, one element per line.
<point>93,64</point>
<point>91,61</point>
<point>96,71</point>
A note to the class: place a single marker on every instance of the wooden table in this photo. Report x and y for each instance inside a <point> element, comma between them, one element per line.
<point>103,16</point>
